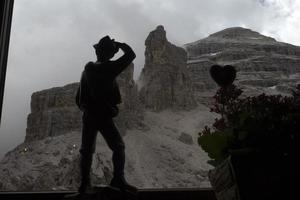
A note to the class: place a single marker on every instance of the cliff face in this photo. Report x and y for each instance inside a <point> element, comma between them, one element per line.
<point>263,64</point>
<point>54,112</point>
<point>165,80</point>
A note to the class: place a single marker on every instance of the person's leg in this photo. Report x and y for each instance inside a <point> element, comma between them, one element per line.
<point>116,144</point>
<point>89,134</point>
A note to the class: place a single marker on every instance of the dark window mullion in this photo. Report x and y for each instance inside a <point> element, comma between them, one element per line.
<point>5,17</point>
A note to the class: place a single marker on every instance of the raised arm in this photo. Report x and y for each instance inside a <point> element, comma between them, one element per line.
<point>124,61</point>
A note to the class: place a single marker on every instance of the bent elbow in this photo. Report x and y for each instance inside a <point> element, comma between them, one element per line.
<point>133,55</point>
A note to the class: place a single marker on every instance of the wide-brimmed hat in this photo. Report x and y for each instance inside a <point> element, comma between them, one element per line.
<point>104,43</point>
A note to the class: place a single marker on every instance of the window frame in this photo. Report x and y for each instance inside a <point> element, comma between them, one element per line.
<point>6,13</point>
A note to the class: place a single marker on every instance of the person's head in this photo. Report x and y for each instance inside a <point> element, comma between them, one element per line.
<point>105,49</point>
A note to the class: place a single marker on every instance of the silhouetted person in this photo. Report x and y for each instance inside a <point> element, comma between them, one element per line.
<point>98,96</point>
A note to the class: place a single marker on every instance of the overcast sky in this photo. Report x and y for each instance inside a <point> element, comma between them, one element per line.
<point>51,40</point>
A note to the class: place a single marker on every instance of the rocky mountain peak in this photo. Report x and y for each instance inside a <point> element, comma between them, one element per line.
<point>237,39</point>
<point>164,79</point>
<point>263,64</point>
<point>157,37</point>
<point>238,33</point>
<point>156,44</point>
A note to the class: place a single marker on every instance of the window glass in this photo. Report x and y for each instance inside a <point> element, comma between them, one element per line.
<point>166,93</point>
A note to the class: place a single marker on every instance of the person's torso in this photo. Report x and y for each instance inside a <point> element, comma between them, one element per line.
<point>103,89</point>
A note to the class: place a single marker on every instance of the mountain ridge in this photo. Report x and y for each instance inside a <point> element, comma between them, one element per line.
<point>263,65</point>
<point>240,35</point>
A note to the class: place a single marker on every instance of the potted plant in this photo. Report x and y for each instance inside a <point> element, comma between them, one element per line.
<point>254,144</point>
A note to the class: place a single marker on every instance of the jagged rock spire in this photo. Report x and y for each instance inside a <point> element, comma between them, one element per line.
<point>164,79</point>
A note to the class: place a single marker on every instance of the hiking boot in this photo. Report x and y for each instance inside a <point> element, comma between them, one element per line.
<point>122,184</point>
<point>85,187</point>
